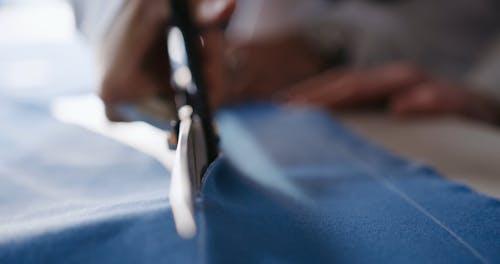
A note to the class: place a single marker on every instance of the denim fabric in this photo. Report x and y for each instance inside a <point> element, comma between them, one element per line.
<point>358,203</point>
<point>292,186</point>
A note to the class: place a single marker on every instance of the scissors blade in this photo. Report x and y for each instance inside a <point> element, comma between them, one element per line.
<point>190,162</point>
<point>182,191</point>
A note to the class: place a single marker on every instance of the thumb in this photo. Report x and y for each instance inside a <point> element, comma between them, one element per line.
<point>216,13</point>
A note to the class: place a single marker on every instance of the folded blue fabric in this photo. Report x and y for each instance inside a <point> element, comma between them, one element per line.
<point>292,186</point>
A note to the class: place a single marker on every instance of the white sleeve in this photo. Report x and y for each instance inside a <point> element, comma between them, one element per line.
<point>94,17</point>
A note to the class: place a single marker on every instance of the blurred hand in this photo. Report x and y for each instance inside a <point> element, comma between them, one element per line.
<point>135,66</point>
<point>258,70</point>
<point>405,90</point>
<point>134,63</point>
<point>443,98</point>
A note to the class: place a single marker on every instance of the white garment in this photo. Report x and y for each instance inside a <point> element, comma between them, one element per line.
<point>94,17</point>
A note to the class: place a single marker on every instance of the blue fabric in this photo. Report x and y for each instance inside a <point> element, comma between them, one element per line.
<point>69,196</point>
<point>365,205</point>
<point>292,187</point>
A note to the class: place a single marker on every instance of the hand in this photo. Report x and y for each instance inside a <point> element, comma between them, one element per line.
<point>134,64</point>
<point>437,97</point>
<point>407,92</point>
<point>257,70</point>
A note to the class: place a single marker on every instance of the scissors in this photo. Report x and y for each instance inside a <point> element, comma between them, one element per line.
<point>194,137</point>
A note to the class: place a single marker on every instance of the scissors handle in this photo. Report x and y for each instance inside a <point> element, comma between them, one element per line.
<point>184,46</point>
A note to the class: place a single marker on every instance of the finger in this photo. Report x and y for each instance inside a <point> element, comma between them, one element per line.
<point>134,31</point>
<point>352,88</point>
<point>126,48</point>
<point>123,90</point>
<point>437,98</point>
<point>420,100</point>
<point>127,89</point>
<point>306,91</point>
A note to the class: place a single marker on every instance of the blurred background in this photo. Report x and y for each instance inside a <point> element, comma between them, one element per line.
<point>41,52</point>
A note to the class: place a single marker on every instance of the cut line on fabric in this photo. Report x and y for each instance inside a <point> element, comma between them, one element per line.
<point>393,188</point>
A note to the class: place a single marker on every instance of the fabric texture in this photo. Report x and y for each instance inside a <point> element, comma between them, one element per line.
<point>79,198</point>
<point>312,191</point>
